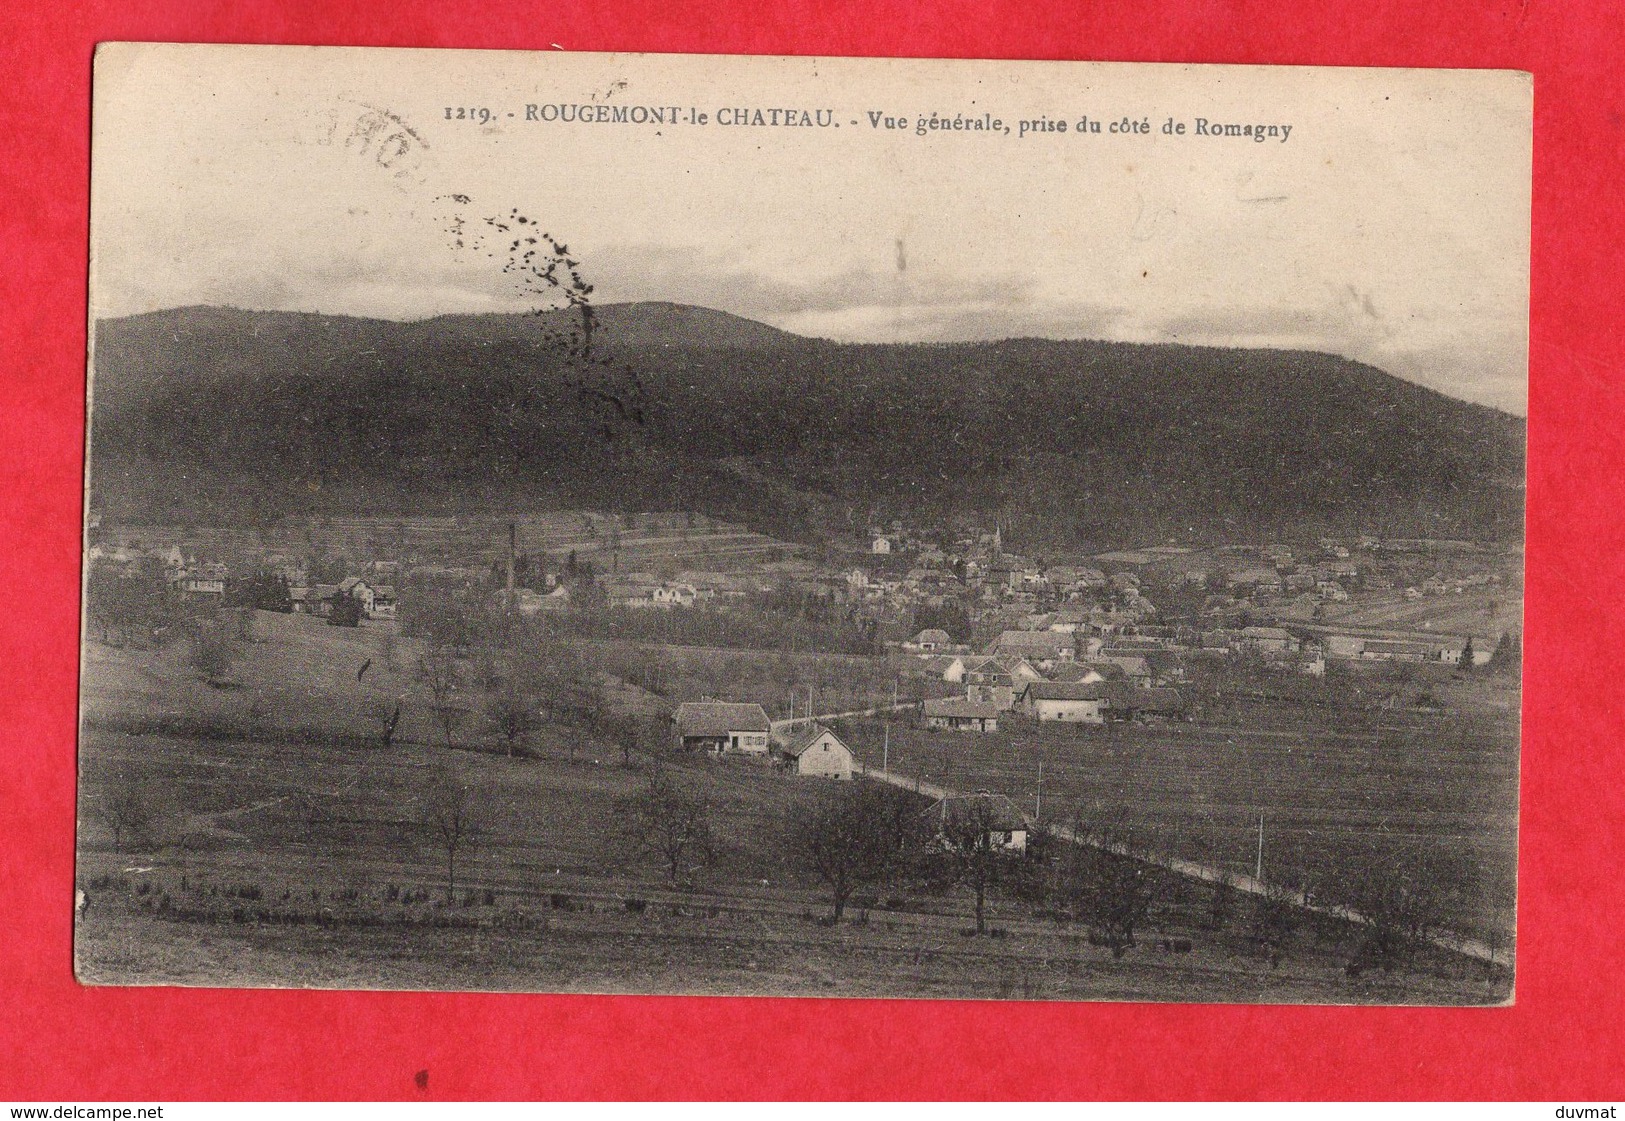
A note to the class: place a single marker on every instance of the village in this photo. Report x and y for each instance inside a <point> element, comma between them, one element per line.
<point>1074,639</point>
<point>973,681</point>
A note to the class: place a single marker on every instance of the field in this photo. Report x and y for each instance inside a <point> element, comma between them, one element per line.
<point>1333,787</point>
<point>633,541</point>
<point>288,846</point>
<point>1490,614</point>
<point>776,680</point>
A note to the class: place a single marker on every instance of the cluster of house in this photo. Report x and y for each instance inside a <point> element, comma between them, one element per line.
<point>809,749</point>
<point>720,728</point>
<point>182,574</point>
<point>211,580</point>
<point>377,601</point>
<point>974,571</point>
<point>906,571</point>
<point>1051,676</point>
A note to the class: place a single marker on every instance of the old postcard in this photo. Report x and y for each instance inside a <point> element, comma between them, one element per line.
<point>802,526</point>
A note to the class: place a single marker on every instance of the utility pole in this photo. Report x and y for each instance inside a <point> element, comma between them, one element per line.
<point>1038,811</point>
<point>1258,867</point>
<point>513,534</point>
<point>885,753</point>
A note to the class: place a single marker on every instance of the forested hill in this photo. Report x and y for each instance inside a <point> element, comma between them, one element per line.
<point>205,414</point>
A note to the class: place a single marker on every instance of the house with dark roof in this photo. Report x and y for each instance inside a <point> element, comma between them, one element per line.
<point>1147,705</point>
<point>929,641</point>
<point>817,752</point>
<point>1133,663</point>
<point>1269,640</point>
<point>1064,702</point>
<point>1076,672</point>
<point>721,727</point>
<point>357,588</point>
<point>960,819</point>
<point>1068,619</point>
<point>990,683</point>
<point>319,599</point>
<point>1035,646</point>
<point>956,715</point>
<point>948,667</point>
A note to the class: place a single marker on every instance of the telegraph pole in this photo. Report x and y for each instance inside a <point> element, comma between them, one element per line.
<point>513,533</point>
<point>885,752</point>
<point>1038,811</point>
<point>1258,867</point>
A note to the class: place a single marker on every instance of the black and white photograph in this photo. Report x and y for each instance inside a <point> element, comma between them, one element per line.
<point>812,527</point>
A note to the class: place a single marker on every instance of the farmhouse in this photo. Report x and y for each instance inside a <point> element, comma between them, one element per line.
<point>817,752</point>
<point>1064,702</point>
<point>1036,646</point>
<point>1001,825</point>
<point>1076,673</point>
<point>1133,663</point>
<point>720,727</point>
<point>1068,619</point>
<point>1452,652</point>
<point>929,641</point>
<point>961,716</point>
<point>989,682</point>
<point>1150,705</point>
<point>319,599</point>
<point>200,580</point>
<point>383,602</point>
<point>1269,640</point>
<point>1344,645</point>
<point>674,595</point>
<point>358,589</point>
<point>948,667</point>
<point>630,593</point>
<point>1264,579</point>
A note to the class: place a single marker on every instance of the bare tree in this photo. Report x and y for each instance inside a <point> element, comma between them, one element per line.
<point>449,816</point>
<point>1112,884</point>
<point>213,652</point>
<point>442,675</point>
<point>513,714</point>
<point>1401,901</point>
<point>1114,893</point>
<point>673,825</point>
<point>633,734</point>
<point>846,837</point>
<point>972,833</point>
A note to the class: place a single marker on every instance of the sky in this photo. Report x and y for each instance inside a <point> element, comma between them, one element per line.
<point>1391,225</point>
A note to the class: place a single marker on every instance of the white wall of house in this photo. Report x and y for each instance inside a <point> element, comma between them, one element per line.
<point>1068,712</point>
<point>748,743</point>
<point>826,757</point>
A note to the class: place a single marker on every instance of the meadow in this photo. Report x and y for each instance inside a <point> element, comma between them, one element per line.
<point>286,845</point>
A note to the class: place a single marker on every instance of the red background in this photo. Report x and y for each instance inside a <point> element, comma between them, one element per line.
<point>1562,1040</point>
